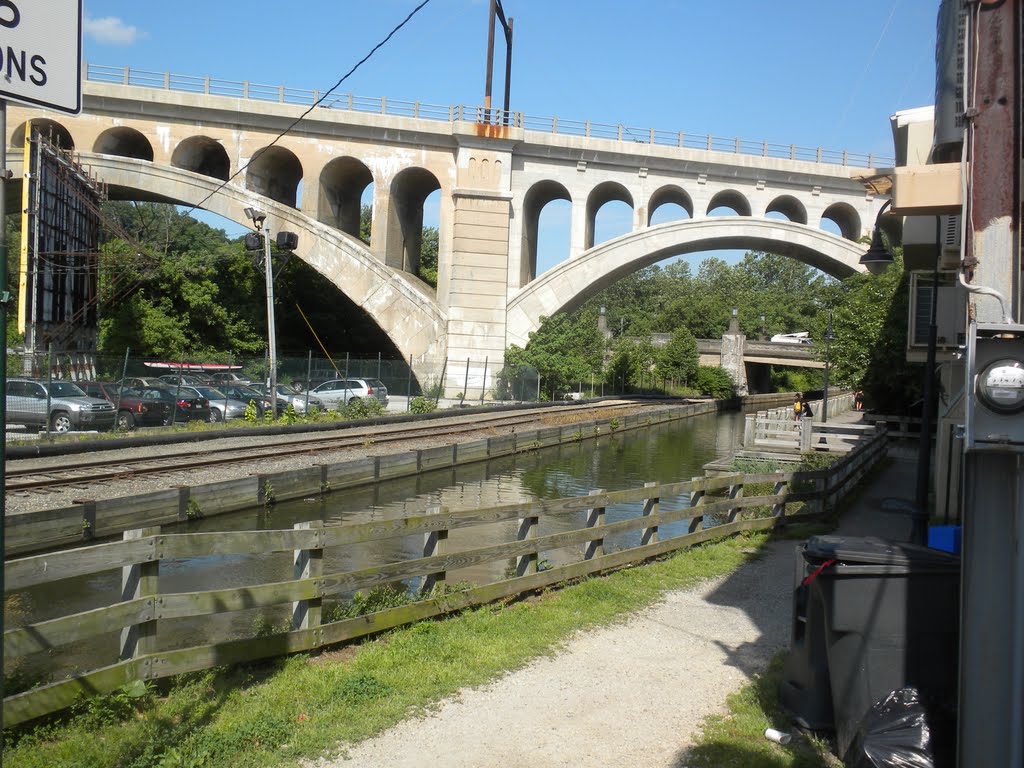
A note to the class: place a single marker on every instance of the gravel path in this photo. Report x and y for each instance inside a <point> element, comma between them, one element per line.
<point>628,695</point>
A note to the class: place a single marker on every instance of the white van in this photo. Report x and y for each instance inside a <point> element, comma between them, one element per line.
<point>800,337</point>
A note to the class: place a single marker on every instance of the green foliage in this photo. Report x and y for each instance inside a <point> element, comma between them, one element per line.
<point>715,382</point>
<point>420,404</point>
<point>679,358</point>
<point>185,288</point>
<point>251,413</point>
<point>377,599</point>
<point>290,415</point>
<point>362,408</point>
<point>565,350</point>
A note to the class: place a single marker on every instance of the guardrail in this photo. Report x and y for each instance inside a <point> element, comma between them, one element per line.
<point>304,97</point>
<point>593,533</point>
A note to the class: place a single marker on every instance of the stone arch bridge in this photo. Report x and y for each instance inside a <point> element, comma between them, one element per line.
<point>211,143</point>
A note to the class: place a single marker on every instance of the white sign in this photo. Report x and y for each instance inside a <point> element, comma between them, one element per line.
<point>41,53</point>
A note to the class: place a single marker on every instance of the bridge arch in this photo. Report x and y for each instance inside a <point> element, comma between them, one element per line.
<point>402,308</point>
<point>844,216</point>
<point>409,191</point>
<point>124,142</point>
<point>275,172</point>
<point>789,207</point>
<point>670,193</point>
<point>342,184</point>
<point>567,286</point>
<point>535,200</point>
<point>201,154</point>
<point>729,198</point>
<point>605,192</point>
<point>56,132</point>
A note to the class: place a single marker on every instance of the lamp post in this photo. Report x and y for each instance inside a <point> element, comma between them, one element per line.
<point>258,217</point>
<point>829,338</point>
<point>253,243</point>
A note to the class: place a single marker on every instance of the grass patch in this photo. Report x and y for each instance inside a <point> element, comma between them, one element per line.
<point>738,737</point>
<point>275,714</point>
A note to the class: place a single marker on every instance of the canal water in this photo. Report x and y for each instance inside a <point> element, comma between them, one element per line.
<point>665,453</point>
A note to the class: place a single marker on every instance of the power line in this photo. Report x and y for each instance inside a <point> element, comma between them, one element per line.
<point>315,104</point>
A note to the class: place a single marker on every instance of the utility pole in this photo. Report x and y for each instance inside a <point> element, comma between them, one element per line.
<point>991,706</point>
<point>271,329</point>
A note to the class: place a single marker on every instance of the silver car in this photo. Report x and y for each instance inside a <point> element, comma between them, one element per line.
<point>338,393</point>
<point>70,408</point>
<point>222,407</point>
<point>296,399</point>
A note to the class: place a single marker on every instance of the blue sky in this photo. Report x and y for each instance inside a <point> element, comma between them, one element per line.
<point>823,73</point>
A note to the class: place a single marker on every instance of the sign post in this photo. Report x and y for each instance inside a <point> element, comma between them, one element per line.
<point>40,64</point>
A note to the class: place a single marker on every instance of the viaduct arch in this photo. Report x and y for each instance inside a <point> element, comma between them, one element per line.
<point>571,283</point>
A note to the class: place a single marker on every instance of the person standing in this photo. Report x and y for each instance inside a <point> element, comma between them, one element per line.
<point>798,401</point>
<point>805,409</point>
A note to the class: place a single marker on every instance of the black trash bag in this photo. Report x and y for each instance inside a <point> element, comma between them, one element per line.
<point>893,734</point>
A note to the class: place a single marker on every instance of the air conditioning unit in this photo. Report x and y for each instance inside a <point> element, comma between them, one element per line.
<point>950,317</point>
<point>923,234</point>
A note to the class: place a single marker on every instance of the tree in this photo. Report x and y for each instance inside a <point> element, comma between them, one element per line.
<point>565,350</point>
<point>679,358</point>
<point>870,327</point>
<point>171,285</point>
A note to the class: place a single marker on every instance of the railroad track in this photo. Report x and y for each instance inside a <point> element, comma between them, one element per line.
<point>63,472</point>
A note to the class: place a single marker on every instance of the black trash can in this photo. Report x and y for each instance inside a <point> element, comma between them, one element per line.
<point>891,619</point>
<point>806,691</point>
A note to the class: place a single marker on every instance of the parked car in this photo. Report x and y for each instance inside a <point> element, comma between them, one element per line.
<point>133,406</point>
<point>69,407</point>
<point>289,395</point>
<point>247,394</point>
<point>229,377</point>
<point>188,379</point>
<point>222,407</point>
<point>141,381</point>
<point>338,393</point>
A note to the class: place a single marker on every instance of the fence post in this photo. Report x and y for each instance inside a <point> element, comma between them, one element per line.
<point>651,506</point>
<point>735,492</point>
<point>749,422</point>
<point>806,425</point>
<point>779,507</point>
<point>139,580</point>
<point>595,518</point>
<point>434,543</point>
<point>527,564</point>
<point>308,564</point>
<point>696,500</point>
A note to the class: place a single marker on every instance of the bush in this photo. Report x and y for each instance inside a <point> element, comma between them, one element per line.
<point>363,408</point>
<point>420,404</point>
<point>715,382</point>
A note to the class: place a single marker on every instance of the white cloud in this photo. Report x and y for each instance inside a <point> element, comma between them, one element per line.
<point>110,30</point>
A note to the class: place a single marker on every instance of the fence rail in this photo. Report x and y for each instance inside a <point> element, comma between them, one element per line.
<point>707,508</point>
<point>305,97</point>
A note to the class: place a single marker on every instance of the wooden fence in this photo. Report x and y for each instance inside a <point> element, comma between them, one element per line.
<point>775,428</point>
<point>145,650</point>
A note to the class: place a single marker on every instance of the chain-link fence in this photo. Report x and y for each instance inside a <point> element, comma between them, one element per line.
<point>447,382</point>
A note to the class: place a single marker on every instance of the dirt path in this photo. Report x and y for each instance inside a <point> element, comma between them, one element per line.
<point>623,696</point>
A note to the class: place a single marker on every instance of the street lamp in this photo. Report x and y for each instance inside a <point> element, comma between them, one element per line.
<point>290,241</point>
<point>878,257</point>
<point>258,217</point>
<point>829,338</point>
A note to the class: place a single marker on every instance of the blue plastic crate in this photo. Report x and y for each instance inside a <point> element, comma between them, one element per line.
<point>944,537</point>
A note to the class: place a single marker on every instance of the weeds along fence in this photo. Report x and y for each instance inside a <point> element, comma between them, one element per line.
<point>157,623</point>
